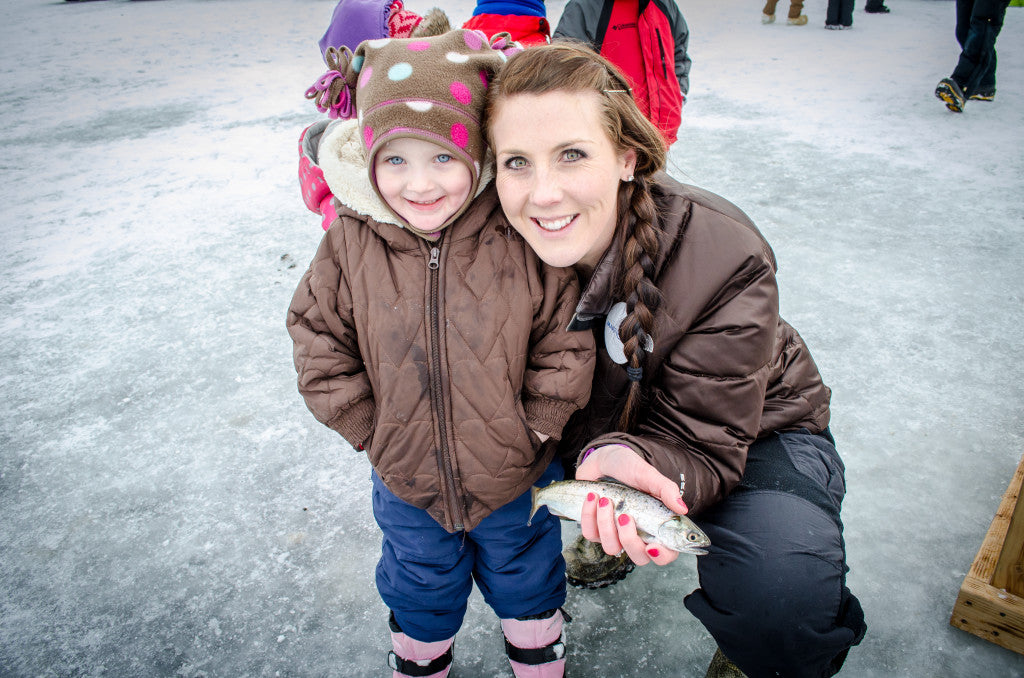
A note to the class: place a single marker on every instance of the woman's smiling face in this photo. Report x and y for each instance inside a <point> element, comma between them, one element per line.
<point>558,174</point>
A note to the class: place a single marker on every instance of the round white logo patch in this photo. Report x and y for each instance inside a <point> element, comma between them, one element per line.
<point>612,322</point>
<point>612,343</point>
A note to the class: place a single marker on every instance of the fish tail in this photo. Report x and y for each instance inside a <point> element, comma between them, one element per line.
<point>533,504</point>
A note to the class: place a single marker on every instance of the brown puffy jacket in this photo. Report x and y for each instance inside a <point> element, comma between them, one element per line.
<point>441,358</point>
<point>725,370</point>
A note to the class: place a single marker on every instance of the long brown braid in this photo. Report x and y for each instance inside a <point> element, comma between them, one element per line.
<point>569,66</point>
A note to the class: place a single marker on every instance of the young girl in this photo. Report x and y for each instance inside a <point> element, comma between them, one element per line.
<point>427,333</point>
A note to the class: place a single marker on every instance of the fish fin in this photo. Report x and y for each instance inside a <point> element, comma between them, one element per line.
<point>533,504</point>
<point>646,536</point>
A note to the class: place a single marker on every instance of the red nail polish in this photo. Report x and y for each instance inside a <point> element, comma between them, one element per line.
<point>653,553</point>
<point>623,520</point>
<point>591,496</point>
<point>604,502</point>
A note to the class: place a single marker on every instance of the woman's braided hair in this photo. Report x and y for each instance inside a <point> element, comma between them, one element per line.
<point>573,67</point>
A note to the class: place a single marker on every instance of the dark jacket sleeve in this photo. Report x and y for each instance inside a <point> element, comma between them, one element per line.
<point>560,368</point>
<point>681,35</point>
<point>331,374</point>
<point>578,22</point>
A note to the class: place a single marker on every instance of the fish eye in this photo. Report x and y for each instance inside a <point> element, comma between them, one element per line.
<point>691,537</point>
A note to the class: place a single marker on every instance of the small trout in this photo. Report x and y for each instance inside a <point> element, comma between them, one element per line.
<point>654,520</point>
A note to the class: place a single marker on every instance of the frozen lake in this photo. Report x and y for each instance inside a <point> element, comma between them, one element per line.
<point>168,506</point>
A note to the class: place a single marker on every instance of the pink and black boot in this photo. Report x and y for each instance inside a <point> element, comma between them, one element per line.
<point>535,644</point>
<point>412,658</point>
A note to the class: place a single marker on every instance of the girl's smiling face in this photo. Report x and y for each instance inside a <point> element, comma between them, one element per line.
<point>421,182</point>
<point>558,174</point>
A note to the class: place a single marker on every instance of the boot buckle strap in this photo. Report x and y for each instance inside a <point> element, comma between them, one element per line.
<point>417,669</point>
<point>536,655</point>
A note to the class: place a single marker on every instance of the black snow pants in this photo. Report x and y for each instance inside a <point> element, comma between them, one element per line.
<point>773,585</point>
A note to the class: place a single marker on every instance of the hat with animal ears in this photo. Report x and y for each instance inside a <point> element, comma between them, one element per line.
<point>430,88</point>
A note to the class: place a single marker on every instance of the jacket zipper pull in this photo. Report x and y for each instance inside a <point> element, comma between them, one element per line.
<point>435,258</point>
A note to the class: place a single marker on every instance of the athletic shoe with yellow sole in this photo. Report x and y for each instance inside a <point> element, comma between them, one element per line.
<point>950,92</point>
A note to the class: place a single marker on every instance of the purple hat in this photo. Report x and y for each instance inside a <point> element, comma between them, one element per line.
<point>354,21</point>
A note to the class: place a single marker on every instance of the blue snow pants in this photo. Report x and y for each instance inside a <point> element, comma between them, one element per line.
<point>425,573</point>
<point>773,584</point>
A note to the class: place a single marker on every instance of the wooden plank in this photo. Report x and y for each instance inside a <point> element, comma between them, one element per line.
<point>1009,570</point>
<point>982,609</point>
<point>990,613</point>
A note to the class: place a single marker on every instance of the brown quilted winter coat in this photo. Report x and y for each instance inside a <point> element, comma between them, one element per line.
<point>725,370</point>
<point>439,358</point>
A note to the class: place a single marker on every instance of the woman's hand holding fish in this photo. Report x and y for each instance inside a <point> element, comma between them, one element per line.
<point>599,523</point>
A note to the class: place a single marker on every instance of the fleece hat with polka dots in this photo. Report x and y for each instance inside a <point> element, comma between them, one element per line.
<point>430,88</point>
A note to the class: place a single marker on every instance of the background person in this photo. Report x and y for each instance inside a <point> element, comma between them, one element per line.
<point>525,20</point>
<point>647,40</point>
<point>795,18</point>
<point>978,23</point>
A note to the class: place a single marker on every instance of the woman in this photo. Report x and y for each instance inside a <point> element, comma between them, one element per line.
<point>701,389</point>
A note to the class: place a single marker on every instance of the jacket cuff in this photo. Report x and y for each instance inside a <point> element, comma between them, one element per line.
<point>548,416</point>
<point>356,423</point>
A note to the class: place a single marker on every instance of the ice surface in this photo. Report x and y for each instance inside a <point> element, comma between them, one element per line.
<point>168,506</point>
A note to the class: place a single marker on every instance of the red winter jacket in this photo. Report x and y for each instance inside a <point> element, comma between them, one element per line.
<point>664,36</point>
<point>527,30</point>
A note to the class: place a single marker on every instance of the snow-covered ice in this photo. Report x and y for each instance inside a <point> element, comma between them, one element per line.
<point>168,506</point>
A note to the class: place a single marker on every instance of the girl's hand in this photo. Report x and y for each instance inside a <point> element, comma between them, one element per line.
<point>599,523</point>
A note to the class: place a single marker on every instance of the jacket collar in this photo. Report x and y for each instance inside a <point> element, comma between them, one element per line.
<point>596,299</point>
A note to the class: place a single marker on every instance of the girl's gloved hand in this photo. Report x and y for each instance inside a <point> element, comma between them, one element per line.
<point>599,522</point>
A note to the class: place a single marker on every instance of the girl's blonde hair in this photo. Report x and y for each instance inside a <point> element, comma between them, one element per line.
<point>567,66</point>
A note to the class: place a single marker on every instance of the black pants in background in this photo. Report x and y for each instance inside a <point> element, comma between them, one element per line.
<point>840,12</point>
<point>978,23</point>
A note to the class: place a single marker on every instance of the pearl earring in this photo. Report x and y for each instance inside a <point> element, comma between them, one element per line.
<point>628,179</point>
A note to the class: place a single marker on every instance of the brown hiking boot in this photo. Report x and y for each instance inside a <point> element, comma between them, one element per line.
<point>587,566</point>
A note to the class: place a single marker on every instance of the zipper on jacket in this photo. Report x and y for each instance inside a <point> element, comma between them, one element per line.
<point>437,394</point>
<point>661,48</point>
